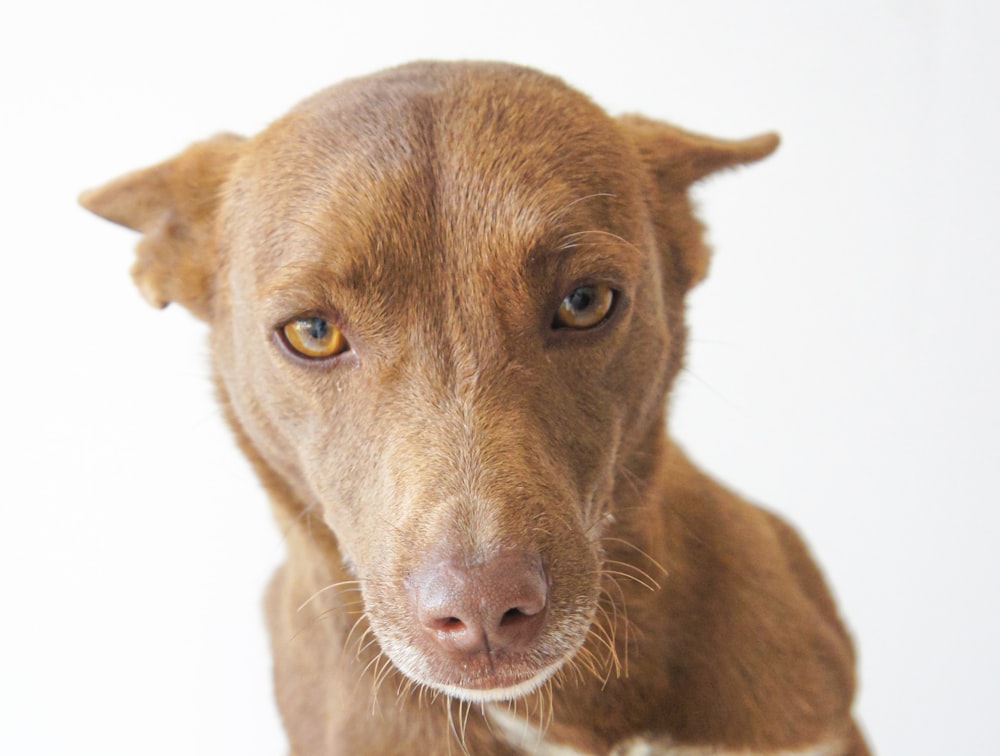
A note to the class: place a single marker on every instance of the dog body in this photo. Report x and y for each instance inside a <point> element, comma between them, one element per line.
<point>447,307</point>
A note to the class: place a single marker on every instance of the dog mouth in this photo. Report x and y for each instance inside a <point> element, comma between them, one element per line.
<point>498,685</point>
<point>484,677</point>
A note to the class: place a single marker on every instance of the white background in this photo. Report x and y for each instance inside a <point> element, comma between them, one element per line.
<point>843,369</point>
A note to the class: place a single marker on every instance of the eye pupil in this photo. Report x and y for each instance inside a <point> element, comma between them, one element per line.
<point>318,328</point>
<point>581,299</point>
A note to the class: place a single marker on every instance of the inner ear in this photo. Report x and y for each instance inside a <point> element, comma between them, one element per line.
<point>174,204</point>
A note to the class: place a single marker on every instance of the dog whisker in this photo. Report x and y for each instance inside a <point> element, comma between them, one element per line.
<point>620,619</point>
<point>403,689</point>
<point>624,475</point>
<point>467,706</point>
<point>546,709</point>
<point>367,645</point>
<point>612,618</point>
<point>355,586</point>
<point>365,634</point>
<point>373,665</point>
<point>579,665</point>
<point>557,216</point>
<point>638,550</point>
<point>605,635</point>
<point>604,638</point>
<point>716,392</point>
<point>586,660</point>
<point>457,730</point>
<point>603,232</point>
<point>627,576</point>
<point>642,578</point>
<point>381,671</point>
<point>317,619</point>
<point>382,675</point>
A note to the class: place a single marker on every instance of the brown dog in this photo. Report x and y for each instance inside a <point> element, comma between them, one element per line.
<point>447,306</point>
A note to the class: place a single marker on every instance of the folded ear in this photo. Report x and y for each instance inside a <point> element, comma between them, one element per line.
<point>676,159</point>
<point>174,204</point>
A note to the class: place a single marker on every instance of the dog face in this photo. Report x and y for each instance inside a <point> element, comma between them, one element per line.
<point>446,308</point>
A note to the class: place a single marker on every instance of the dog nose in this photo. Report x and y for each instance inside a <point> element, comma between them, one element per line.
<point>496,605</point>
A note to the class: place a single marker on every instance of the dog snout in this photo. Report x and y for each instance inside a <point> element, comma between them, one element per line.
<point>497,605</point>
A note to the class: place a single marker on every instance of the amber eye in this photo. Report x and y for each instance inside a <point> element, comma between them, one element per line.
<point>314,337</point>
<point>585,307</point>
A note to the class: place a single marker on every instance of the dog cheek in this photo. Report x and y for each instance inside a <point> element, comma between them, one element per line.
<point>651,373</point>
<point>641,373</point>
<point>586,413</point>
<point>280,411</point>
<point>351,493</point>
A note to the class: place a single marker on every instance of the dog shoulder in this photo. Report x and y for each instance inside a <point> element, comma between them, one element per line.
<point>756,647</point>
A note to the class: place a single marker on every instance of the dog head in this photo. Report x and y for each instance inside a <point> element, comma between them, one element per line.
<point>446,307</point>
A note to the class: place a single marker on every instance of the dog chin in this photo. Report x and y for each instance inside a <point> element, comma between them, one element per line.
<point>500,688</point>
<point>484,681</point>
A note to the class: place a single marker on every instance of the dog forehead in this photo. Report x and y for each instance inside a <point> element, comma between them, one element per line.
<point>428,158</point>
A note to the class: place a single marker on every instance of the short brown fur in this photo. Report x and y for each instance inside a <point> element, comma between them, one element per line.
<point>438,214</point>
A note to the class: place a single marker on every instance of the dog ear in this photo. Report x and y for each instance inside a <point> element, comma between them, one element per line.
<point>675,160</point>
<point>174,205</point>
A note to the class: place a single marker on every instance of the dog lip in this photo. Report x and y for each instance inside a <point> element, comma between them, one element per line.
<point>493,686</point>
<point>490,676</point>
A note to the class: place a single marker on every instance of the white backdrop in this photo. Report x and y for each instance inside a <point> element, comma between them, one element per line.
<point>843,369</point>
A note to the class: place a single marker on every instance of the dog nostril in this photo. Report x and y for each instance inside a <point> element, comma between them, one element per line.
<point>451,624</point>
<point>513,616</point>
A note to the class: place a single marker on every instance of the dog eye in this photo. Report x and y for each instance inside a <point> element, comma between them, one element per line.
<point>585,307</point>
<point>314,337</point>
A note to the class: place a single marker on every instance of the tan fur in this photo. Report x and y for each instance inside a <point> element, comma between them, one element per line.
<point>438,214</point>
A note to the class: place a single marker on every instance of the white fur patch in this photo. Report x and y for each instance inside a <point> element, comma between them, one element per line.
<point>499,694</point>
<point>524,736</point>
<point>662,747</point>
<point>528,739</point>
